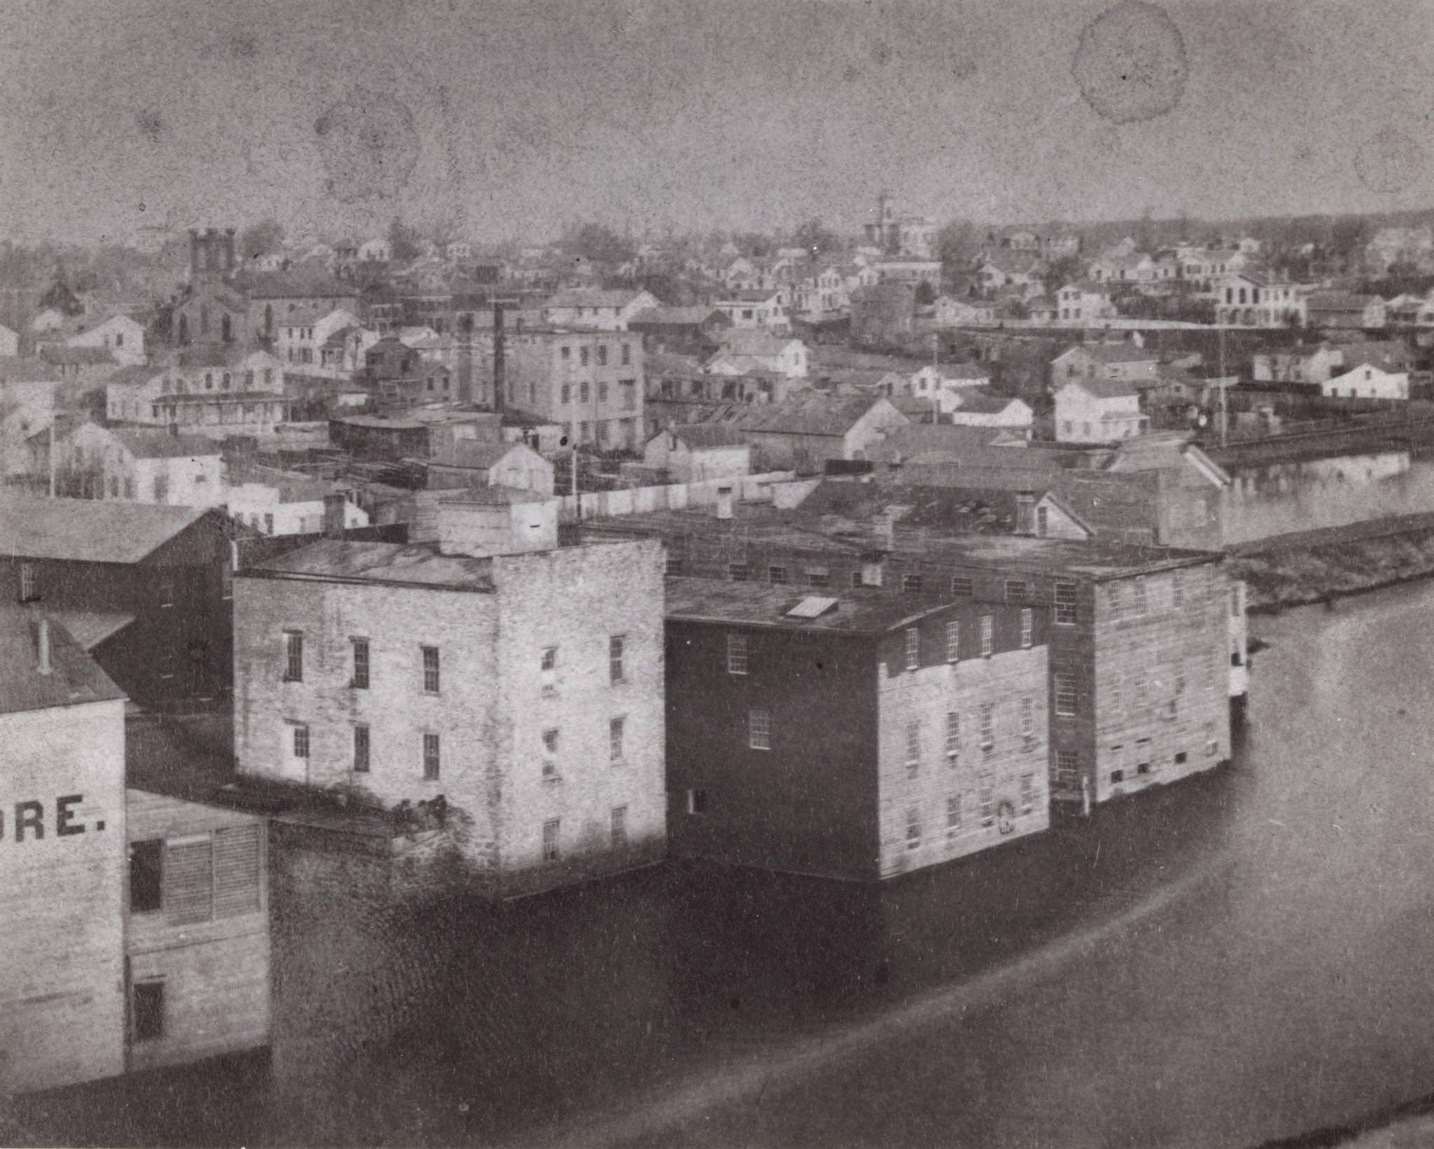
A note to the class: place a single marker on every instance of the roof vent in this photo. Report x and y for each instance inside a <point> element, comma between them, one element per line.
<point>813,606</point>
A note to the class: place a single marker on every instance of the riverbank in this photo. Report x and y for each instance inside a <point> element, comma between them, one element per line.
<point>1319,566</point>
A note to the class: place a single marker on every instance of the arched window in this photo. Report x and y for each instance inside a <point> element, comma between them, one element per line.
<point>183,327</point>
<point>204,319</point>
<point>268,321</point>
<point>226,329</point>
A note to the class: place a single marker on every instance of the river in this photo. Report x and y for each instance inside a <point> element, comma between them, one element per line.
<point>1239,958</point>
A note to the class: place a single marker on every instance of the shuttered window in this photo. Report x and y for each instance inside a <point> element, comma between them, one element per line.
<point>188,880</point>
<point>236,871</point>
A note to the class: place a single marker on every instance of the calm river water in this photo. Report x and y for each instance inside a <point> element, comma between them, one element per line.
<point>1242,957</point>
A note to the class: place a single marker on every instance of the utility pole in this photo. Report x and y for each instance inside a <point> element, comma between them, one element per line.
<point>935,378</point>
<point>1224,408</point>
<point>53,416</point>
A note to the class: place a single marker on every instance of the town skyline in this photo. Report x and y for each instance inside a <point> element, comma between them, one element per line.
<point>692,119</point>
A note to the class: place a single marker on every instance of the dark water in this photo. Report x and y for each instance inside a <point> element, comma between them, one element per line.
<point>1308,494</point>
<point>1244,956</point>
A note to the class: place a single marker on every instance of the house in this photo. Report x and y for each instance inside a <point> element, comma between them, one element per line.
<point>746,351</point>
<point>699,451</point>
<point>213,391</point>
<point>1343,310</point>
<point>1302,365</point>
<point>62,895</point>
<point>1084,302</point>
<point>679,329</point>
<point>1094,410</point>
<point>1365,379</point>
<point>296,298</point>
<point>471,465</point>
<point>145,589</point>
<point>513,685</point>
<point>978,407</point>
<point>140,464</point>
<point>375,250</point>
<point>759,307</point>
<point>301,336</point>
<point>895,232</point>
<point>272,501</point>
<point>9,343</point>
<point>1124,362</point>
<point>603,310</point>
<point>48,319</point>
<point>458,249</point>
<point>951,311</point>
<point>120,335</point>
<point>590,381</point>
<point>805,432</point>
<point>939,386</point>
<point>919,737</point>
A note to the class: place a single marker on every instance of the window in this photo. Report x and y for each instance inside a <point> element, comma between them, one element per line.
<point>551,830</point>
<point>913,748</point>
<point>953,640</point>
<point>430,669</point>
<point>1028,626</point>
<point>913,648</point>
<point>619,827</point>
<point>1028,793</point>
<point>1065,693</point>
<point>301,740</point>
<point>857,580</point>
<point>913,828</point>
<point>1028,721</point>
<point>626,354</point>
<point>818,577</point>
<point>759,729</point>
<point>567,392</point>
<point>1015,590</point>
<point>602,387</point>
<point>911,583</point>
<point>27,582</point>
<point>1140,598</point>
<point>359,679</point>
<point>616,648</point>
<point>777,575</point>
<point>1142,755</point>
<point>697,801</point>
<point>988,800</point>
<point>615,727</point>
<point>360,749</point>
<point>737,572</point>
<point>953,813</point>
<point>146,869</point>
<point>147,1010</point>
<point>988,635</point>
<point>602,362</point>
<point>268,522</point>
<point>736,654</point>
<point>549,661</point>
<point>1116,777</point>
<point>953,735</point>
<point>431,762</point>
<point>1177,591</point>
<point>1181,757</point>
<point>988,726</point>
<point>1142,689</point>
<point>1066,603</point>
<point>1068,766</point>
<point>1115,694</point>
<point>566,352</point>
<point>583,360</point>
<point>961,586</point>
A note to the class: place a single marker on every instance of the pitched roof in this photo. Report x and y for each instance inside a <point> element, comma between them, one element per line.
<point>59,353</point>
<point>1340,301</point>
<point>477,456</point>
<point>157,443</point>
<point>805,415</point>
<point>591,297</point>
<point>23,370</point>
<point>87,530</point>
<point>975,401</point>
<point>1104,388</point>
<point>761,604</point>
<point>297,282</point>
<point>698,436</point>
<point>753,341</point>
<point>74,677</point>
<point>676,317</point>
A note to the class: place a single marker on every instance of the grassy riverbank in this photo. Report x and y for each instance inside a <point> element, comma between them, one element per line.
<point>1315,566</point>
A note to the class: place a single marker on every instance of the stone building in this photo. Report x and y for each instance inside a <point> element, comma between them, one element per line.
<point>521,682</point>
<point>849,733</point>
<point>591,381</point>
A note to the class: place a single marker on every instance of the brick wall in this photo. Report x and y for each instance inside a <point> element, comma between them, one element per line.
<point>62,898</point>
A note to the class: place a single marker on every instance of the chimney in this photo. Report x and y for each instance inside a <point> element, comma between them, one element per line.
<point>44,663</point>
<point>500,368</point>
<point>229,249</point>
<point>724,502</point>
<point>193,252</point>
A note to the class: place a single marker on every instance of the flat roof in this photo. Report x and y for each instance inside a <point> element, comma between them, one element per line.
<point>338,560</point>
<point>866,611</point>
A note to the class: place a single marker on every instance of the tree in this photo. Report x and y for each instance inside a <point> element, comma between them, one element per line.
<point>815,238</point>
<point>1060,272</point>
<point>598,244</point>
<point>261,238</point>
<point>403,240</point>
<point>956,246</point>
<point>58,295</point>
<point>925,293</point>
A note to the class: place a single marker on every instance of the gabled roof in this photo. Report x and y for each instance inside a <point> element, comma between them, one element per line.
<point>478,456</point>
<point>1340,301</point>
<point>133,376</point>
<point>87,530</point>
<point>1109,353</point>
<point>754,341</point>
<point>805,415</point>
<point>676,317</point>
<point>1103,388</point>
<point>74,677</point>
<point>24,370</point>
<point>297,282</point>
<point>60,353</point>
<point>698,436</point>
<point>976,401</point>
<point>758,295</point>
<point>381,562</point>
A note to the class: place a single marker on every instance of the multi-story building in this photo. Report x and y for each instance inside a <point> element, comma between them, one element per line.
<point>849,733</point>
<point>591,381</point>
<point>518,680</point>
<point>144,589</point>
<point>1147,644</point>
<point>142,465</point>
<point>62,1009</point>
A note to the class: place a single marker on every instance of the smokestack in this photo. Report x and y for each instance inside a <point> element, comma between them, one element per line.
<point>724,502</point>
<point>44,663</point>
<point>500,372</point>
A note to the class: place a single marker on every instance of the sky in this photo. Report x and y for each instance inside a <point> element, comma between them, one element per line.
<point>515,117</point>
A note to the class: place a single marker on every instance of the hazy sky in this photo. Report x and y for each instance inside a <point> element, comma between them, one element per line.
<point>521,115</point>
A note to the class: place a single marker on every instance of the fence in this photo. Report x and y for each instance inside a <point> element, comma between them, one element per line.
<point>670,496</point>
